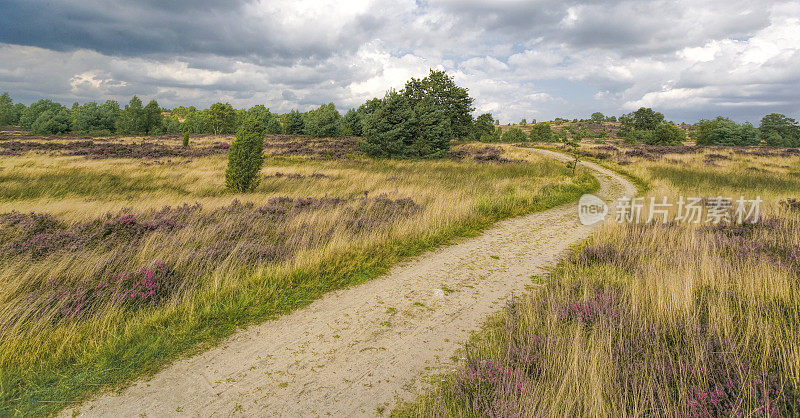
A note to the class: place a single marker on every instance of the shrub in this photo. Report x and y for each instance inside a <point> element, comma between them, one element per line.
<point>186,139</point>
<point>514,135</point>
<point>245,156</point>
<point>723,131</point>
<point>668,134</point>
<point>493,136</point>
<point>640,136</point>
<point>542,132</point>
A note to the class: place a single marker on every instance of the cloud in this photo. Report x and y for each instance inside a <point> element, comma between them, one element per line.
<point>533,59</point>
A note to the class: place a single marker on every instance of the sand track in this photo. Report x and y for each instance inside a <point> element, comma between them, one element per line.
<point>356,351</point>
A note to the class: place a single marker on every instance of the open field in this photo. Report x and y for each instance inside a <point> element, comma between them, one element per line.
<point>121,254</point>
<point>356,351</point>
<point>667,319</point>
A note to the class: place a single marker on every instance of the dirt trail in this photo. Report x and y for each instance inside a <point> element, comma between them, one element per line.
<point>357,350</point>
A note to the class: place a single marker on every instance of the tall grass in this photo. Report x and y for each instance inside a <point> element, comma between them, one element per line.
<point>103,284</point>
<point>657,319</point>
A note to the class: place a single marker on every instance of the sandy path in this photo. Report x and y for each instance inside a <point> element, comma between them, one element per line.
<point>357,350</point>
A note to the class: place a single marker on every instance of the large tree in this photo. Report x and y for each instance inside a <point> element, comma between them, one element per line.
<point>777,130</point>
<point>390,128</point>
<point>453,100</point>
<point>131,119</point>
<point>644,119</point>
<point>221,118</point>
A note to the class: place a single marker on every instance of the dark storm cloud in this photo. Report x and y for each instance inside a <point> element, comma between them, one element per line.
<point>541,58</point>
<point>153,27</point>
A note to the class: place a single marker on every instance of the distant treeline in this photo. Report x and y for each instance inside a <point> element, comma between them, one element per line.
<point>647,126</point>
<point>418,121</point>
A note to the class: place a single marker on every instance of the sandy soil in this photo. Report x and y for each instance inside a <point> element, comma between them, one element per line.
<point>356,351</point>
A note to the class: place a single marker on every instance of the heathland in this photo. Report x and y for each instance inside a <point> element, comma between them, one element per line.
<point>654,318</point>
<point>122,253</point>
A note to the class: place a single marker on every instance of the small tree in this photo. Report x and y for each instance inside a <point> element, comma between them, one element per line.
<point>542,132</point>
<point>777,130</point>
<point>325,121</point>
<point>8,114</point>
<point>293,123</point>
<point>483,125</point>
<point>31,114</point>
<point>245,156</point>
<point>598,117</point>
<point>723,131</point>
<point>669,134</point>
<point>389,130</point>
<point>221,118</point>
<point>514,135</point>
<point>186,139</point>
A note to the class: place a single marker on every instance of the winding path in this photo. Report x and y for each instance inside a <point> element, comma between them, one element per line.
<point>356,351</point>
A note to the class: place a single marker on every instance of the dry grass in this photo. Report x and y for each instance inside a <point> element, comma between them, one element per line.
<point>666,320</point>
<point>193,274</point>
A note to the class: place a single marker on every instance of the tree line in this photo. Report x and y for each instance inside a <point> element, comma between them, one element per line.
<point>418,121</point>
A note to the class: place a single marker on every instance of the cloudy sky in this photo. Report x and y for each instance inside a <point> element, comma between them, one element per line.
<point>533,59</point>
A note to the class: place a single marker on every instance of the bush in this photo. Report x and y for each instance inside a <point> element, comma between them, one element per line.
<point>723,131</point>
<point>514,135</point>
<point>245,156</point>
<point>493,136</point>
<point>542,132</point>
<point>640,136</point>
<point>185,139</point>
<point>668,134</point>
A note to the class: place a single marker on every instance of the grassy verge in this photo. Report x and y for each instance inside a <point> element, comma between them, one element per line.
<point>652,319</point>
